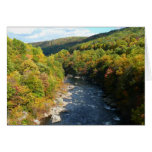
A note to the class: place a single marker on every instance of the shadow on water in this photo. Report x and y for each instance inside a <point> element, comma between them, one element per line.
<point>87,106</point>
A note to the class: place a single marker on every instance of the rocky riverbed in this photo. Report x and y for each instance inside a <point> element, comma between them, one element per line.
<point>54,113</point>
<point>82,104</point>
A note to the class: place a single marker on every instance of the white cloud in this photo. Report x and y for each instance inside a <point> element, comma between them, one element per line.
<point>43,34</point>
<point>30,34</point>
<point>60,32</point>
<point>20,30</point>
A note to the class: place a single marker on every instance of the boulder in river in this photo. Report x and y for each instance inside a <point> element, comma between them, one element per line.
<point>64,104</point>
<point>77,77</point>
<point>70,76</point>
<point>57,110</point>
<point>46,115</point>
<point>70,87</point>
<point>55,118</point>
<point>58,100</point>
<point>67,95</point>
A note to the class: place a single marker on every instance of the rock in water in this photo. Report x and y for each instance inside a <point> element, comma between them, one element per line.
<point>64,104</point>
<point>46,115</point>
<point>77,77</point>
<point>67,95</point>
<point>55,118</point>
<point>59,100</point>
<point>70,87</point>
<point>116,118</point>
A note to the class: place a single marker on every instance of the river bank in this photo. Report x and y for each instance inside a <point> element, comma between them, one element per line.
<point>86,104</point>
<point>54,113</point>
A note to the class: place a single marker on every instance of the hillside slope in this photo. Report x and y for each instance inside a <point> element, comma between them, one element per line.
<point>85,43</point>
<point>54,46</point>
<point>116,62</point>
<point>32,79</point>
<point>110,40</point>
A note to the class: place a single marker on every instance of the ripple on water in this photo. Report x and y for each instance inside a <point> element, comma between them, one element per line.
<point>76,104</point>
<point>87,106</point>
<point>107,107</point>
<point>92,106</point>
<point>116,118</point>
<point>78,123</point>
<point>107,123</point>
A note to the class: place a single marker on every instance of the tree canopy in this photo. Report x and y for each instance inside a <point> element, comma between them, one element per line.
<point>114,61</point>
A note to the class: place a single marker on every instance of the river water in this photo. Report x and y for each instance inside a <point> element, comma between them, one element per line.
<point>87,106</point>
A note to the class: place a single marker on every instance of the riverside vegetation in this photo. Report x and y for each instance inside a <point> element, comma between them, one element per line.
<point>32,82</point>
<point>114,61</point>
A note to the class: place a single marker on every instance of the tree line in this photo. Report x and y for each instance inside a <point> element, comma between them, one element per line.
<point>114,61</point>
<point>32,80</point>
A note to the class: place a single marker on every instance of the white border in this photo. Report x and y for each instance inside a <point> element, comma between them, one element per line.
<point>74,13</point>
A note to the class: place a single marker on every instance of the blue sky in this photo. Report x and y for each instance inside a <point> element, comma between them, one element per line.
<point>34,34</point>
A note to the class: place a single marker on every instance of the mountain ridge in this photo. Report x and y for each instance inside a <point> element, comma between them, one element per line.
<point>72,43</point>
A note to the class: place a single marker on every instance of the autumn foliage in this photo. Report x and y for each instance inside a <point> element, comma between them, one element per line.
<point>116,63</point>
<point>32,80</point>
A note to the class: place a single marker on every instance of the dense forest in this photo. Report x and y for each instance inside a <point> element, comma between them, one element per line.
<point>54,46</point>
<point>32,79</point>
<point>69,43</point>
<point>114,61</point>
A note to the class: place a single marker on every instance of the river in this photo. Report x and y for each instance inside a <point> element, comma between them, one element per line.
<point>87,106</point>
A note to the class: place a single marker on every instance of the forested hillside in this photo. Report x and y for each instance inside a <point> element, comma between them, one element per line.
<point>32,79</point>
<point>114,61</point>
<point>117,39</point>
<point>54,46</point>
<point>72,43</point>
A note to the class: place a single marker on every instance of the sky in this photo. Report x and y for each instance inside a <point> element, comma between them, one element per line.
<point>37,34</point>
